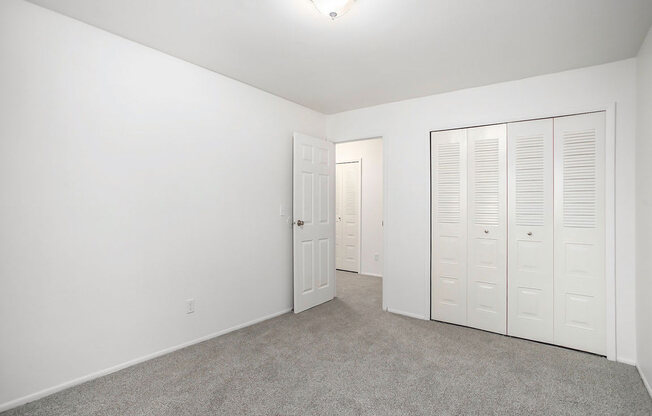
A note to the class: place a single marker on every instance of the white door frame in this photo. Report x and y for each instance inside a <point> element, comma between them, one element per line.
<point>385,205</point>
<point>359,162</point>
<point>610,204</point>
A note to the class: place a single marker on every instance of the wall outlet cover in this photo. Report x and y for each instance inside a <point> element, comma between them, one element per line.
<point>190,306</point>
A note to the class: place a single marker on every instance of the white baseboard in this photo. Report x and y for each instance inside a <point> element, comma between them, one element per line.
<point>626,361</point>
<point>645,382</point>
<point>408,314</point>
<point>372,274</point>
<point>51,390</point>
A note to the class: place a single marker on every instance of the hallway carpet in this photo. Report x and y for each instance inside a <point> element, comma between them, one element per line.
<point>347,357</point>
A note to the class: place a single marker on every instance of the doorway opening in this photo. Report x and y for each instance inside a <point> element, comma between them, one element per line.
<point>359,208</point>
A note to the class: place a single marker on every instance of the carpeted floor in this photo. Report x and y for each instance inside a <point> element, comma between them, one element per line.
<point>347,357</point>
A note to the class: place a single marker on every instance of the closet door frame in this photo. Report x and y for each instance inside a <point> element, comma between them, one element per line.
<point>610,203</point>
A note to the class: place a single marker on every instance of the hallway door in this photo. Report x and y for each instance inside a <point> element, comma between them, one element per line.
<point>347,214</point>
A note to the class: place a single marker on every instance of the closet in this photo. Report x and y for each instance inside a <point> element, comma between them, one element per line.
<point>518,229</point>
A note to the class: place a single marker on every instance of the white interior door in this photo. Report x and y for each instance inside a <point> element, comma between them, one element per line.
<point>579,278</point>
<point>530,247</point>
<point>314,221</point>
<point>487,228</point>
<point>449,226</point>
<point>348,216</point>
<point>338,216</point>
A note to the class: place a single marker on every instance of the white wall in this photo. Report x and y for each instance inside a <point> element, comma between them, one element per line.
<point>130,181</point>
<point>643,210</point>
<point>371,211</point>
<point>405,128</point>
<point>122,172</point>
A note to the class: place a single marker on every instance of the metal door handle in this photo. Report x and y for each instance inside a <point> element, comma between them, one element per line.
<point>300,223</point>
<point>486,231</point>
<point>529,233</point>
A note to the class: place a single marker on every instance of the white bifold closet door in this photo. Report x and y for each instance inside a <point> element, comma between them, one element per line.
<point>544,182</point>
<point>449,231</point>
<point>487,228</point>
<point>579,277</point>
<point>530,248</point>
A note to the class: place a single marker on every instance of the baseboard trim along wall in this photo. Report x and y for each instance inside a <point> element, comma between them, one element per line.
<point>51,390</point>
<point>408,314</point>
<point>626,361</point>
<point>645,382</point>
<point>372,274</point>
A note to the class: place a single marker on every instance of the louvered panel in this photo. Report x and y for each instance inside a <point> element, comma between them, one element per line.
<point>579,247</point>
<point>486,159</point>
<point>530,230</point>
<point>449,225</point>
<point>448,184</point>
<point>580,179</point>
<point>487,231</point>
<point>529,181</point>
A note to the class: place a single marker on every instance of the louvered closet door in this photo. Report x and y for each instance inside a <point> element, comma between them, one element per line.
<point>487,228</point>
<point>530,208</point>
<point>579,232</point>
<point>448,274</point>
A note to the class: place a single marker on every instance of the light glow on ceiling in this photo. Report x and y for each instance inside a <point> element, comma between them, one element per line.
<point>333,8</point>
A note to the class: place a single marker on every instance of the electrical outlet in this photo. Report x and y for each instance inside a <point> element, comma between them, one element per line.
<point>376,257</point>
<point>190,306</point>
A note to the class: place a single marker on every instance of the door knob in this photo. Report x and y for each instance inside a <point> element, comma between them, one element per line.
<point>300,223</point>
<point>529,233</point>
<point>486,231</point>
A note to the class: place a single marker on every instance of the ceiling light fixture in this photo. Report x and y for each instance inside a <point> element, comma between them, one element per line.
<point>333,8</point>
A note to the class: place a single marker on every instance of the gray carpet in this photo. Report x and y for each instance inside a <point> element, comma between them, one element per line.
<point>347,357</point>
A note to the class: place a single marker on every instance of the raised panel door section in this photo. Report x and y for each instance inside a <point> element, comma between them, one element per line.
<point>338,216</point>
<point>349,216</point>
<point>487,228</point>
<point>449,232</point>
<point>579,278</point>
<point>530,224</point>
<point>314,236</point>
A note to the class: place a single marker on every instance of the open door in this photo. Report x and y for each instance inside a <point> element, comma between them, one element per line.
<point>314,221</point>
